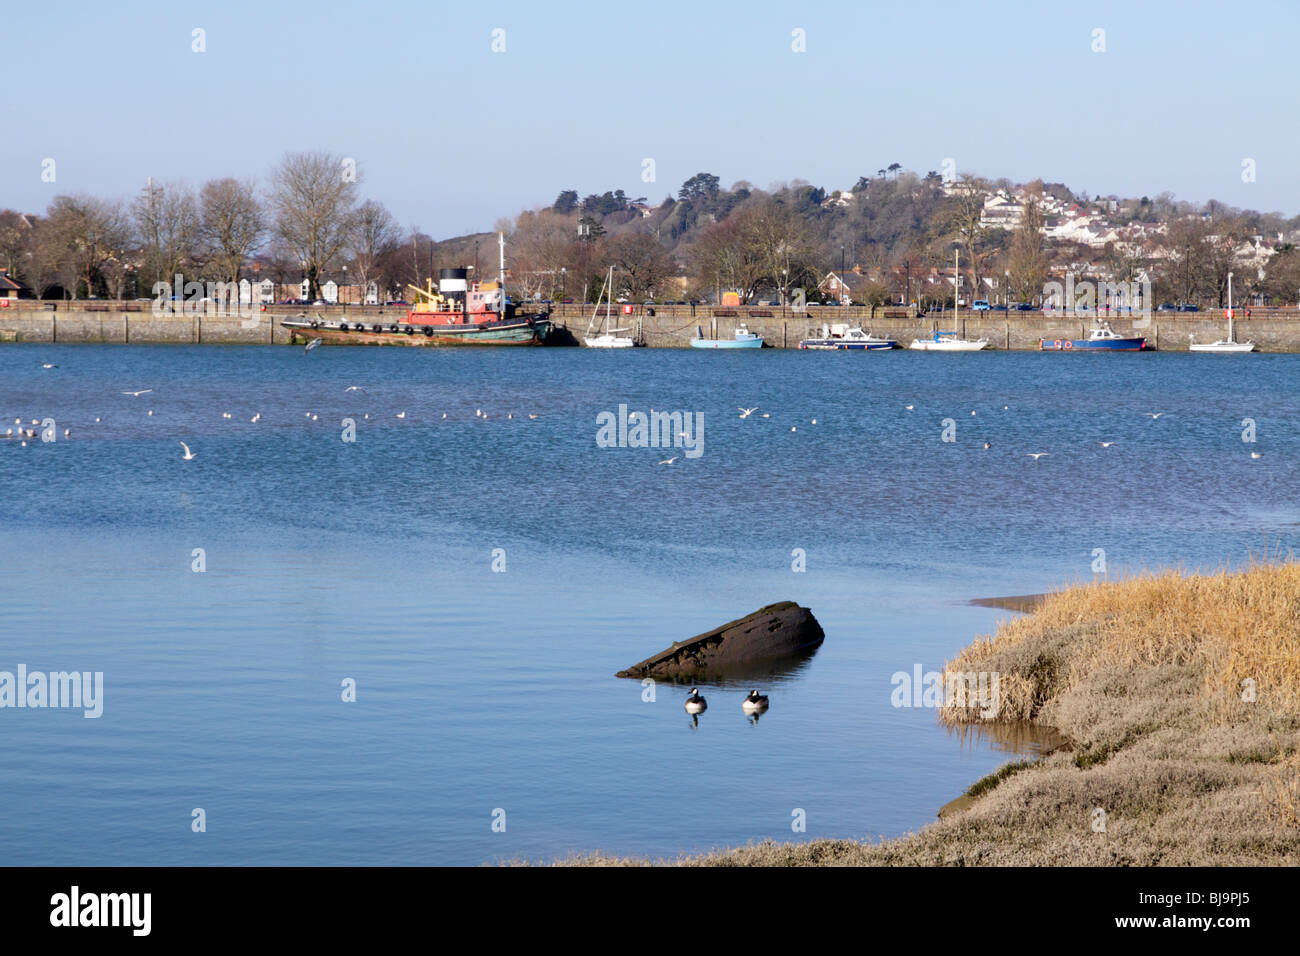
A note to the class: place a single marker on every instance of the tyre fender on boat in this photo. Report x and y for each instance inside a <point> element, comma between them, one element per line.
<point>427,330</point>
<point>343,326</point>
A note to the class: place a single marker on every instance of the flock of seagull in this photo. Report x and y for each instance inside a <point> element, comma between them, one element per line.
<point>25,434</point>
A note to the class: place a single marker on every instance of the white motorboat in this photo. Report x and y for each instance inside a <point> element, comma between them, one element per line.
<point>841,336</point>
<point>948,342</point>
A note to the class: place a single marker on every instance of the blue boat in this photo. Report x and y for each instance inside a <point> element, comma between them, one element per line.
<point>1101,339</point>
<point>744,339</point>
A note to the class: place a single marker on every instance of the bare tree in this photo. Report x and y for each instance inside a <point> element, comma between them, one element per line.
<point>314,196</point>
<point>167,221</point>
<point>376,234</point>
<point>81,234</point>
<point>640,264</point>
<point>231,224</point>
<point>967,224</point>
<point>1027,262</point>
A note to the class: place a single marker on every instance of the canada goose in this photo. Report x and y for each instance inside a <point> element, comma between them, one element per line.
<point>695,704</point>
<point>755,703</point>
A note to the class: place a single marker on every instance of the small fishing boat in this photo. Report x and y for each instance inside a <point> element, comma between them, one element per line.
<point>1100,339</point>
<point>744,339</point>
<point>948,342</point>
<point>607,338</point>
<point>840,336</point>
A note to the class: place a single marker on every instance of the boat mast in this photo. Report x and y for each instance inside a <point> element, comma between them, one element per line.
<point>1231,338</point>
<point>501,281</point>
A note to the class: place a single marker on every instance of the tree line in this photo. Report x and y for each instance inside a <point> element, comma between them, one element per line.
<point>899,230</point>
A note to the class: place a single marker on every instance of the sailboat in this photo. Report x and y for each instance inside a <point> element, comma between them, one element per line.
<point>950,341</point>
<point>1230,344</point>
<point>607,339</point>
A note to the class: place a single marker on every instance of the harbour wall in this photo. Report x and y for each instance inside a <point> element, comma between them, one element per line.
<point>1273,330</point>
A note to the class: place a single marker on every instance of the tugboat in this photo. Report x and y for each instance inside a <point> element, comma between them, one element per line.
<point>1100,339</point>
<point>839,336</point>
<point>459,313</point>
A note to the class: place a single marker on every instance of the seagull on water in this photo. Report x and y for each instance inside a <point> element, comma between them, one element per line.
<point>189,455</point>
<point>48,365</point>
<point>1037,455</point>
<point>1155,415</point>
<point>256,418</point>
<point>531,417</point>
<point>225,414</point>
<point>1105,444</point>
<point>354,388</point>
<point>909,407</point>
<point>746,412</point>
<point>444,415</point>
<point>151,411</point>
<point>143,391</point>
<point>1255,454</point>
<point>766,415</point>
<point>669,461</point>
<point>401,414</point>
<point>987,446</point>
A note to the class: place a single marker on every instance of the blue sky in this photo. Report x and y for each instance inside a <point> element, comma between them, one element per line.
<point>452,136</point>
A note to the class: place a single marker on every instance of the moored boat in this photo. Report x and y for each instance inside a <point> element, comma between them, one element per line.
<point>608,338</point>
<point>840,336</point>
<point>458,313</point>
<point>744,339</point>
<point>1230,344</point>
<point>948,342</point>
<point>1100,339</point>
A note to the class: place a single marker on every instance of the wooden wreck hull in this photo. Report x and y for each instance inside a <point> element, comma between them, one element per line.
<point>770,634</point>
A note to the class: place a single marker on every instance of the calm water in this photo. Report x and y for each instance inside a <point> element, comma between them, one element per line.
<point>477,690</point>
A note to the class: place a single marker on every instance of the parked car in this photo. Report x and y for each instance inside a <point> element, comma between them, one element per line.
<point>1190,308</point>
<point>980,305</point>
<point>1167,307</point>
<point>997,308</point>
<point>1024,307</point>
<point>397,302</point>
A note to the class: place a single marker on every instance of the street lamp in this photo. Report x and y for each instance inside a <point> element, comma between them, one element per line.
<point>564,277</point>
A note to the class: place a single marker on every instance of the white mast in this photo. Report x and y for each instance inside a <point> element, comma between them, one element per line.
<point>501,244</point>
<point>1231,338</point>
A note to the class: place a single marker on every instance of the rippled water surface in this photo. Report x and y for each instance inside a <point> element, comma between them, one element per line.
<point>478,690</point>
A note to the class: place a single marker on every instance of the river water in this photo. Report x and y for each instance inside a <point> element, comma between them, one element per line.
<point>479,581</point>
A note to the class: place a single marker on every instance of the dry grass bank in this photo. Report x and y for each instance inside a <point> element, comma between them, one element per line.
<point>1146,677</point>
